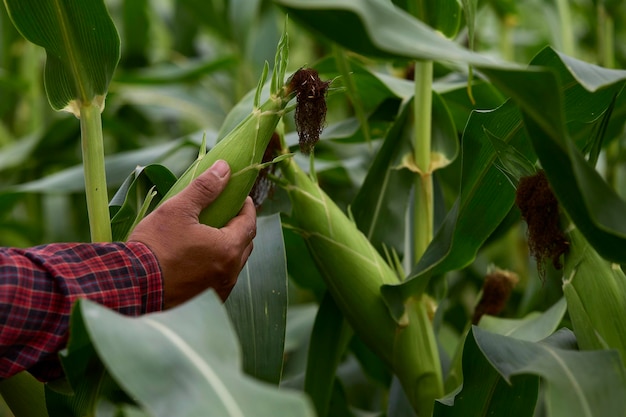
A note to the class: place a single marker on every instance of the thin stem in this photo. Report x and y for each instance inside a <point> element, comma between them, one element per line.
<point>95,177</point>
<point>507,49</point>
<point>422,108</point>
<point>567,31</point>
<point>606,33</point>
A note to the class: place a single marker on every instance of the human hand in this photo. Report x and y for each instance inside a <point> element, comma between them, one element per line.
<point>193,256</point>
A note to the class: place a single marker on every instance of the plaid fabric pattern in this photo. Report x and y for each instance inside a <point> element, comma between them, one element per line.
<point>39,285</point>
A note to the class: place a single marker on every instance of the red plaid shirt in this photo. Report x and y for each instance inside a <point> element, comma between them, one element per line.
<point>39,285</point>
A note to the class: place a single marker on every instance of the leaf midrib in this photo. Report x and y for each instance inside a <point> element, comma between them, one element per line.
<point>71,52</point>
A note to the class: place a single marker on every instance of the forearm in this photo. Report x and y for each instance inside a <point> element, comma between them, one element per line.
<point>39,285</point>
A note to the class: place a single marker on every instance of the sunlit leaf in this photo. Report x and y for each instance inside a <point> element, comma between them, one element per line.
<point>202,373</point>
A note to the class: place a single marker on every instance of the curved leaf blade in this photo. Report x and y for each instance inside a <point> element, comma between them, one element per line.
<point>589,383</point>
<point>577,383</point>
<point>183,362</point>
<point>257,306</point>
<point>79,65</point>
<point>484,391</point>
<point>379,29</point>
<point>533,327</point>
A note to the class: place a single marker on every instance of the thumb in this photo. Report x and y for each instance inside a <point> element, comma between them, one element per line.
<point>205,189</point>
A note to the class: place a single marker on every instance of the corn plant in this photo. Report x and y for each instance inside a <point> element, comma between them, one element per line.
<point>417,285</point>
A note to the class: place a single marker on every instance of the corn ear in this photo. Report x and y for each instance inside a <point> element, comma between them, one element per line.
<point>595,291</point>
<point>354,273</point>
<point>243,147</point>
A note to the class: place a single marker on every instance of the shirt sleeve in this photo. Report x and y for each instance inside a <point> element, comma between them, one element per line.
<point>39,285</point>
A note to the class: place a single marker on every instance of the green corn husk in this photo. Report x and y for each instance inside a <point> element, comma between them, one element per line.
<point>595,291</point>
<point>243,147</point>
<point>354,273</point>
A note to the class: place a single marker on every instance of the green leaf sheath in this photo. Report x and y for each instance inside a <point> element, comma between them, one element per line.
<point>243,147</point>
<point>354,273</point>
<point>81,43</point>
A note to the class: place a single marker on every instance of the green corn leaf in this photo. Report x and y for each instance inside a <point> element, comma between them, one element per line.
<point>81,43</point>
<point>202,374</point>
<point>257,306</point>
<point>485,392</point>
<point>576,91</point>
<point>533,327</point>
<point>356,24</point>
<point>329,341</point>
<point>577,383</point>
<point>24,395</point>
<point>510,161</point>
<point>591,203</point>
<point>126,203</point>
<point>380,205</point>
<point>444,16</point>
<point>594,289</point>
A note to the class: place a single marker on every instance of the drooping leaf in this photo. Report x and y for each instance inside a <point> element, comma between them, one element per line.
<point>485,392</point>
<point>357,25</point>
<point>257,306</point>
<point>202,374</point>
<point>70,180</point>
<point>79,65</point>
<point>532,328</point>
<point>126,203</point>
<point>577,383</point>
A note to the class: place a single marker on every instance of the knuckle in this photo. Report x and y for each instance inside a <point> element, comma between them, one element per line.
<point>207,185</point>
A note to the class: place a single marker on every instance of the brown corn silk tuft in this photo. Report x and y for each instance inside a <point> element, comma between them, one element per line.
<point>310,114</point>
<point>540,210</point>
<point>497,289</point>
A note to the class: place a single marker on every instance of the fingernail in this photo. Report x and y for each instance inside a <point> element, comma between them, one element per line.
<point>220,168</point>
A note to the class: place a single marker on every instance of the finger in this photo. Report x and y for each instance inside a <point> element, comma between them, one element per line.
<point>244,224</point>
<point>205,189</point>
